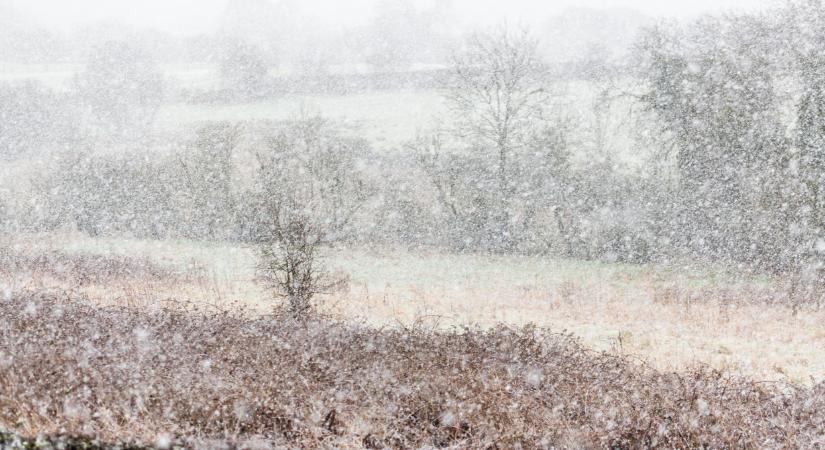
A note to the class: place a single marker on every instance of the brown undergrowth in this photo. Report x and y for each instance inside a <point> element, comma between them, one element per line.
<point>83,269</point>
<point>206,377</point>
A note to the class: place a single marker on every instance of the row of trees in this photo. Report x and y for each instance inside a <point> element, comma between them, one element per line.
<point>734,107</point>
<point>116,96</point>
<point>738,106</point>
<point>499,171</point>
<point>280,31</point>
<point>120,89</point>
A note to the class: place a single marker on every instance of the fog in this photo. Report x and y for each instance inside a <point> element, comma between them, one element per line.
<point>187,17</point>
<point>412,224</point>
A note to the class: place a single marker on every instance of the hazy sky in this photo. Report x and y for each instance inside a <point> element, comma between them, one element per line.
<point>194,16</point>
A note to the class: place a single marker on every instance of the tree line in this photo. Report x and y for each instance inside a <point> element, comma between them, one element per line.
<point>732,108</point>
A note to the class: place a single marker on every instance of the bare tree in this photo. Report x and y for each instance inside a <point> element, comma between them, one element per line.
<point>310,187</point>
<point>498,95</point>
<point>290,264</point>
<point>501,150</point>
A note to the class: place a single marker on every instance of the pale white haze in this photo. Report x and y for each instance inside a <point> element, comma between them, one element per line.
<point>412,224</point>
<point>193,16</point>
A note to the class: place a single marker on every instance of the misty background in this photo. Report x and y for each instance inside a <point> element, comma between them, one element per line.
<point>412,224</point>
<point>643,132</point>
<point>41,30</point>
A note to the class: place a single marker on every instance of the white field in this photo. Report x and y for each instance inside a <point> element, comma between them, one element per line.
<point>387,118</point>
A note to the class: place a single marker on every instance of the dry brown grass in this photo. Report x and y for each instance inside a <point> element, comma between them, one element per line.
<point>58,377</point>
<point>715,325</point>
<point>207,377</point>
<point>83,268</point>
<point>672,318</point>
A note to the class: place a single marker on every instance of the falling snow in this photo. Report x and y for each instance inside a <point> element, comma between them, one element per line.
<point>412,224</point>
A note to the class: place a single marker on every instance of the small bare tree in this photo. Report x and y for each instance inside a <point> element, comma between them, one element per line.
<point>290,265</point>
<point>310,189</point>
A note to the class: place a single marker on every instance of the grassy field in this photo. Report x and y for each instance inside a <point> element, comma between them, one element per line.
<point>672,317</point>
<point>55,76</point>
<point>125,343</point>
<point>386,118</point>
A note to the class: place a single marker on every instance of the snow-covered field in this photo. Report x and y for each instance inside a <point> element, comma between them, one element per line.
<point>672,317</point>
<point>387,118</point>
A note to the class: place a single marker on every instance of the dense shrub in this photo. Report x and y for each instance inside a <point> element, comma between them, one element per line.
<point>34,118</point>
<point>202,377</point>
<point>81,269</point>
<point>111,194</point>
<point>121,88</point>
